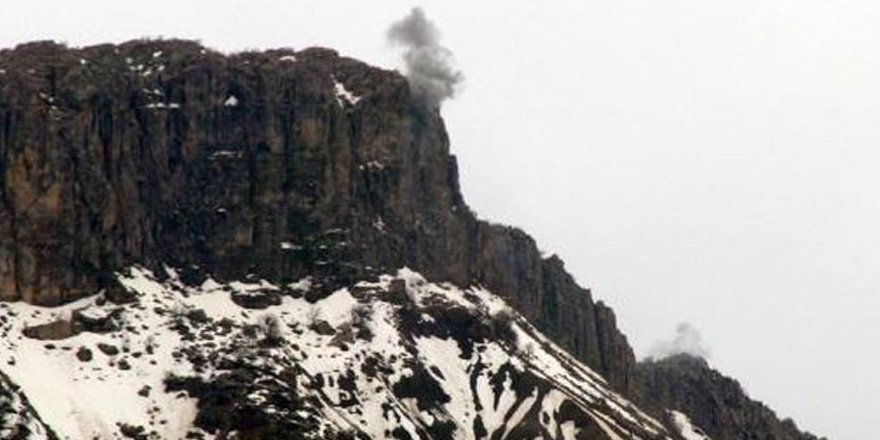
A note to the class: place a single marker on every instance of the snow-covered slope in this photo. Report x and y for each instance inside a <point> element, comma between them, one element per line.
<point>396,357</point>
<point>17,419</point>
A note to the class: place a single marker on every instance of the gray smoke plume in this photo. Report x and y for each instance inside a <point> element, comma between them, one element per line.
<point>687,340</point>
<point>429,66</point>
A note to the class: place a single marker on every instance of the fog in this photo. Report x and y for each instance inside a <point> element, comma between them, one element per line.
<point>706,162</point>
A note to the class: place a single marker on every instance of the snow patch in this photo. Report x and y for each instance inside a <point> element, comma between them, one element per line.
<point>373,165</point>
<point>227,154</point>
<point>162,105</point>
<point>686,428</point>
<point>343,95</point>
<point>288,246</point>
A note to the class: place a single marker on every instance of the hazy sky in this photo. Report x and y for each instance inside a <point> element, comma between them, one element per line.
<point>714,162</point>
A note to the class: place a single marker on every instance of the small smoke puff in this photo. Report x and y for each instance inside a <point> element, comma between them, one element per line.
<point>687,341</point>
<point>429,67</point>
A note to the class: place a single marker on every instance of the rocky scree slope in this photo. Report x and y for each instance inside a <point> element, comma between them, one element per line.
<point>276,165</point>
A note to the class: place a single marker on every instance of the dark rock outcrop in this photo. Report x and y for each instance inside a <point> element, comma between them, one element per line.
<point>163,152</point>
<point>714,402</point>
<point>52,331</point>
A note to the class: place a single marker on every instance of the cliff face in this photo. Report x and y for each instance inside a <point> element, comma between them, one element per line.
<point>274,164</point>
<point>715,403</point>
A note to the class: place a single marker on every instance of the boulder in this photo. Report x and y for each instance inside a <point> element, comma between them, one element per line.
<point>52,331</point>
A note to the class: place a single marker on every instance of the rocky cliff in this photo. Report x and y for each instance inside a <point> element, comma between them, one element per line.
<point>272,164</point>
<point>714,402</point>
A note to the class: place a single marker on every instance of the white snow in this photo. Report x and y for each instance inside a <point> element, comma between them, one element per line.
<point>290,58</point>
<point>288,246</point>
<point>162,105</point>
<point>687,429</point>
<point>17,413</point>
<point>87,399</point>
<point>302,285</point>
<point>374,165</point>
<point>229,154</point>
<point>231,101</point>
<point>569,430</point>
<point>343,95</point>
<point>96,395</point>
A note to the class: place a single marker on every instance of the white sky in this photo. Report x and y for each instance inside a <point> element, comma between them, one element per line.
<point>714,162</point>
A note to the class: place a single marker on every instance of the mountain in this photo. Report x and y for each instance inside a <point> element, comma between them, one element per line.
<point>156,193</point>
<point>713,402</point>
